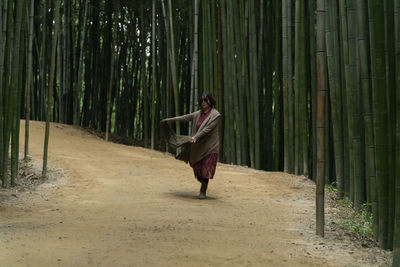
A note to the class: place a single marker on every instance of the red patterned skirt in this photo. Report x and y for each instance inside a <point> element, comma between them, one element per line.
<point>205,168</point>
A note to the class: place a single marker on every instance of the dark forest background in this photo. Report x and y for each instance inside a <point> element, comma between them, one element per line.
<point>120,66</point>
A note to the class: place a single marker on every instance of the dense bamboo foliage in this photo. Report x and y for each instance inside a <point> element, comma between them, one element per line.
<point>121,66</point>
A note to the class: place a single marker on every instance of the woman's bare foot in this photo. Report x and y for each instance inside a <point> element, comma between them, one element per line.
<point>203,190</point>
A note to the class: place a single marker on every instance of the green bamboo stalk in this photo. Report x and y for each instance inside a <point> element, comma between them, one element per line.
<point>363,43</point>
<point>220,71</point>
<point>265,48</point>
<point>234,76</point>
<point>391,109</point>
<point>50,87</point>
<point>195,62</point>
<point>254,84</point>
<point>173,64</point>
<point>396,235</point>
<point>17,116</point>
<point>228,134</point>
<point>214,53</point>
<point>15,88</point>
<point>112,33</point>
<point>231,149</point>
<point>43,63</point>
<point>169,29</point>
<point>327,134</point>
<point>347,133</point>
<point>2,46</point>
<point>78,90</point>
<point>363,48</point>
<point>28,80</point>
<point>277,87</point>
<point>267,83</point>
<point>321,93</point>
<point>211,51</point>
<point>153,75</point>
<point>246,113</point>
<point>285,79</point>
<point>9,25</point>
<point>297,91</point>
<point>396,239</point>
<point>291,111</point>
<point>312,49</point>
<point>205,37</point>
<point>304,96</point>
<point>348,100</point>
<point>358,183</point>
<point>143,78</point>
<point>301,164</point>
<point>378,71</point>
<point>332,48</point>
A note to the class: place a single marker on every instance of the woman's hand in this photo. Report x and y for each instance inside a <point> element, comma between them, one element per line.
<point>164,121</point>
<point>193,140</point>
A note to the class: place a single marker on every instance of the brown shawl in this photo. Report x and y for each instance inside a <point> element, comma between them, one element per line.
<point>207,139</point>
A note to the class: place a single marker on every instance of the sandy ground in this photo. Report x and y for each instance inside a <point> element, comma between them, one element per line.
<point>118,205</point>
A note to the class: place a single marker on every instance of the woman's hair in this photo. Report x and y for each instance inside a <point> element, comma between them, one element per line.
<point>211,99</point>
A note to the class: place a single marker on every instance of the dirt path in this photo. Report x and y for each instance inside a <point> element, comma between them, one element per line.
<point>127,206</point>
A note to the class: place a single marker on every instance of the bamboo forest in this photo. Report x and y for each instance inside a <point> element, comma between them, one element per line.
<point>305,87</point>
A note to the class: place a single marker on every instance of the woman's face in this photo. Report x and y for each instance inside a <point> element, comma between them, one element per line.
<point>205,103</point>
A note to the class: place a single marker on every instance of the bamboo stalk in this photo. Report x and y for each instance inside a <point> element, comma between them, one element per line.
<point>78,90</point>
<point>16,87</point>
<point>312,50</point>
<point>391,109</point>
<point>363,47</point>
<point>50,88</point>
<point>28,80</point>
<point>378,70</point>
<point>9,21</point>
<point>396,235</point>
<point>277,87</point>
<point>297,92</point>
<point>291,118</point>
<point>3,37</point>
<point>357,184</point>
<point>194,66</point>
<point>332,40</point>
<point>285,85</point>
<point>321,92</point>
<point>153,75</point>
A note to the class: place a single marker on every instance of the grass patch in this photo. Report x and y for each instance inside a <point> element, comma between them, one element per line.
<point>331,188</point>
<point>358,222</point>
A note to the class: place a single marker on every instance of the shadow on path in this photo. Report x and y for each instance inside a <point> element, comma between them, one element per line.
<point>191,196</point>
